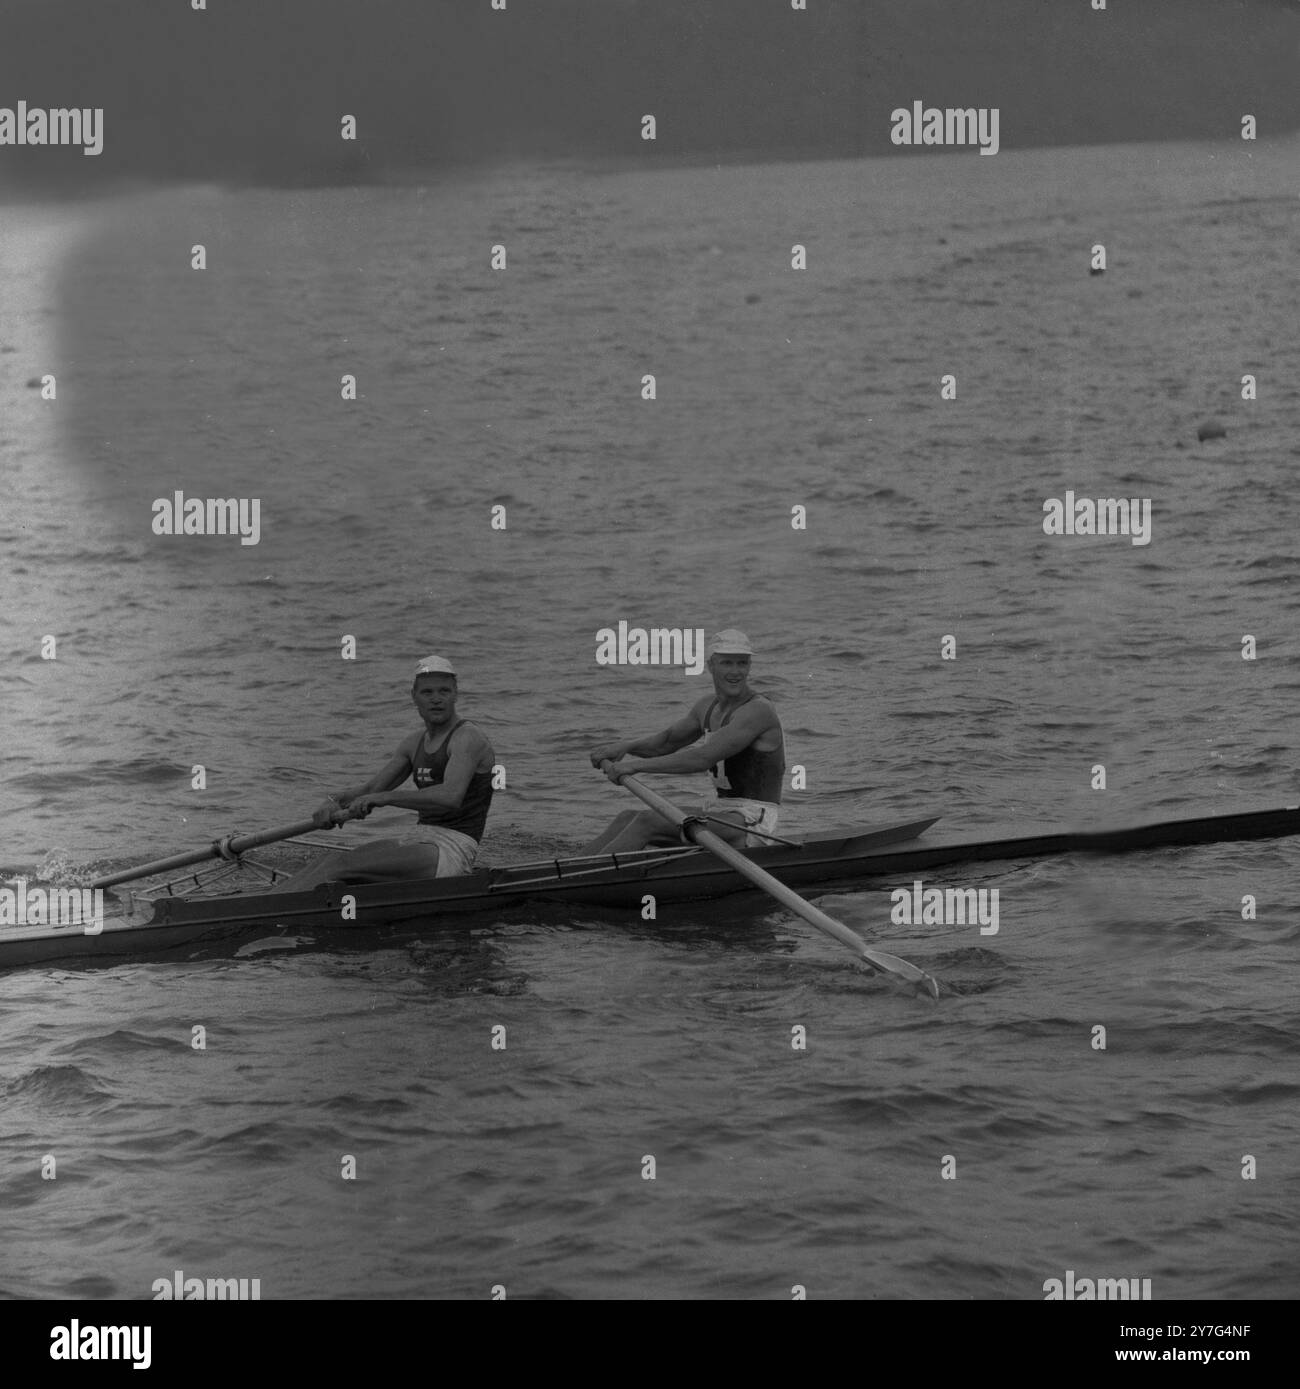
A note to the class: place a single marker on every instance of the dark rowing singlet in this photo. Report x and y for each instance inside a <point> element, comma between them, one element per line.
<point>748,775</point>
<point>429,768</point>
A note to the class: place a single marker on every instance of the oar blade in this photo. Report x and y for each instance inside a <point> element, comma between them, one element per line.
<point>899,969</point>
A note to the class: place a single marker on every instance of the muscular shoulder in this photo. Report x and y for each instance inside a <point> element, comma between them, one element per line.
<point>474,740</point>
<point>761,711</point>
<point>760,720</point>
<point>768,709</point>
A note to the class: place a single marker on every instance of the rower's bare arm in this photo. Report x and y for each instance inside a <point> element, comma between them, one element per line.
<point>681,734</point>
<point>462,762</point>
<point>747,725</point>
<point>393,773</point>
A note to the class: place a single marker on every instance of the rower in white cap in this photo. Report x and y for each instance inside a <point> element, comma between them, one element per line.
<point>743,749</point>
<point>449,761</point>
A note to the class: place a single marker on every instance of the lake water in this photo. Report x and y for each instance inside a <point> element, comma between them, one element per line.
<point>776,389</point>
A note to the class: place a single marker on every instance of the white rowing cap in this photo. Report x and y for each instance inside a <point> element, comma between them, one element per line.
<point>434,665</point>
<point>730,643</point>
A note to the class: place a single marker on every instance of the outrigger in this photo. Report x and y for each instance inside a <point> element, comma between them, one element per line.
<point>706,868</point>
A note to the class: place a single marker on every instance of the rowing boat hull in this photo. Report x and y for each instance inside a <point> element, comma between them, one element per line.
<point>349,912</point>
<point>193,923</point>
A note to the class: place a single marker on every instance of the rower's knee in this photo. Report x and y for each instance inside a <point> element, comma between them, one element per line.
<point>655,829</point>
<point>387,859</point>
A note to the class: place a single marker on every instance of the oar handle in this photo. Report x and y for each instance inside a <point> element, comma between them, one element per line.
<point>229,847</point>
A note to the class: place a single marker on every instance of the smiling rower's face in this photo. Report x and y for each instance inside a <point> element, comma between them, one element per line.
<point>435,698</point>
<point>730,674</point>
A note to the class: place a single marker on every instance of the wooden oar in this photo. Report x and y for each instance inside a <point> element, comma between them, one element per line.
<point>228,848</point>
<point>706,839</point>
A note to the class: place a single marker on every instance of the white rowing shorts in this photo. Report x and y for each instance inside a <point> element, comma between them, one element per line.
<point>756,815</point>
<point>456,851</point>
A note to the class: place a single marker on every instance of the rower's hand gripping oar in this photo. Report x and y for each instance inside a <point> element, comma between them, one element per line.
<point>706,839</point>
<point>229,847</point>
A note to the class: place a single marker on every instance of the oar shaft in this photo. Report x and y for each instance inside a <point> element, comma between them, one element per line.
<point>219,848</point>
<point>706,839</point>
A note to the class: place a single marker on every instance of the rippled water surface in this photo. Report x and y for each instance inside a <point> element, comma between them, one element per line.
<point>671,1039</point>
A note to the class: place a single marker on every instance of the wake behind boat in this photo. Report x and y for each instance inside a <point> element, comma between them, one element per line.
<point>169,918</point>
